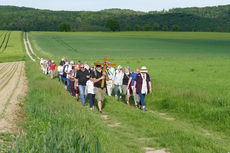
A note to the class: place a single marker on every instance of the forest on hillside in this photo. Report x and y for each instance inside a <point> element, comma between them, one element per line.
<point>178,19</point>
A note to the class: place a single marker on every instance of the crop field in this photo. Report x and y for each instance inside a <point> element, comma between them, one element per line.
<point>11,48</point>
<point>188,111</point>
<point>127,45</point>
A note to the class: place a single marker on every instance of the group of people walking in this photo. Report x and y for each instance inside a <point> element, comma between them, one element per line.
<point>83,80</point>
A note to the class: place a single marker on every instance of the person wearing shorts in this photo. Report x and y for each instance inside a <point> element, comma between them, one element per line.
<point>125,80</point>
<point>100,92</point>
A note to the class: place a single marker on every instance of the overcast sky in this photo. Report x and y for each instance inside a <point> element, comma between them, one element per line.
<point>94,5</point>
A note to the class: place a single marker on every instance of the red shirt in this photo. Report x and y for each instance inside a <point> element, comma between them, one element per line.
<point>52,66</point>
<point>79,66</point>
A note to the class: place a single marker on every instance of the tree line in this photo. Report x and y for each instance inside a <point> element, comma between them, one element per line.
<point>186,19</point>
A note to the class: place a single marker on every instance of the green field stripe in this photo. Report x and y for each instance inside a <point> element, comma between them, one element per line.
<point>12,93</point>
<point>12,74</point>
<point>1,34</point>
<point>62,42</point>
<point>3,40</point>
<point>6,44</point>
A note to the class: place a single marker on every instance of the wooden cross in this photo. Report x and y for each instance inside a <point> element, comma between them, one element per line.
<point>105,64</point>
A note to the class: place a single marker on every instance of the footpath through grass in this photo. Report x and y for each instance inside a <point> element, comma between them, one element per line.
<point>55,122</point>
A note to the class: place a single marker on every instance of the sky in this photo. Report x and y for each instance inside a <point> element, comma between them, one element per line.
<point>95,5</point>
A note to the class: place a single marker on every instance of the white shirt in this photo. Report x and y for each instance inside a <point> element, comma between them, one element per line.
<point>41,62</point>
<point>68,70</point>
<point>60,69</point>
<point>111,73</point>
<point>86,67</point>
<point>90,87</point>
<point>118,77</point>
<point>144,89</point>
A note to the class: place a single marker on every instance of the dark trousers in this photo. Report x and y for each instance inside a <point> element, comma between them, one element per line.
<point>91,99</point>
<point>72,89</point>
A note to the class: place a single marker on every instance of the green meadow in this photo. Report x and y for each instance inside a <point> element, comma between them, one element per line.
<point>128,45</point>
<point>188,111</point>
<point>11,46</point>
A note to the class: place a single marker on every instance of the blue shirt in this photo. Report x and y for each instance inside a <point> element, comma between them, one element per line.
<point>133,76</point>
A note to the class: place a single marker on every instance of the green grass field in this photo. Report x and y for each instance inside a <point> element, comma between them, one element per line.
<point>127,45</point>
<point>11,46</point>
<point>190,75</point>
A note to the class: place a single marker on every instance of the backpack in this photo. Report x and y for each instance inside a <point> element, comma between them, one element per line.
<point>64,74</point>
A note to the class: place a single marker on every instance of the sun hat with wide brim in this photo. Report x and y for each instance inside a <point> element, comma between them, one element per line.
<point>143,69</point>
<point>119,67</point>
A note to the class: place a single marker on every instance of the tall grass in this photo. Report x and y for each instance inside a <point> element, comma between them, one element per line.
<point>55,122</point>
<point>51,125</point>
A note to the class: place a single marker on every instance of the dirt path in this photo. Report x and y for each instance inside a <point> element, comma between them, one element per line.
<point>30,47</point>
<point>26,47</point>
<point>12,91</point>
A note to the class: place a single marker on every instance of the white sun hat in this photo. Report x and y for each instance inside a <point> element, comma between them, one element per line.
<point>119,67</point>
<point>143,69</point>
<point>52,61</point>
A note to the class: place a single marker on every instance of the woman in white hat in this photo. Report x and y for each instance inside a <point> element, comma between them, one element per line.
<point>143,85</point>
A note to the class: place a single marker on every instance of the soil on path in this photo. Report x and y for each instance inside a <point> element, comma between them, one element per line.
<point>13,87</point>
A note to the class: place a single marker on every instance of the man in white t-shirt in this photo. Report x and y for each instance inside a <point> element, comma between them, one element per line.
<point>68,71</point>
<point>91,93</point>
<point>60,72</point>
<point>109,83</point>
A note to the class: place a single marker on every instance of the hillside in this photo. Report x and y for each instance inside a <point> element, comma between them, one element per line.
<point>188,19</point>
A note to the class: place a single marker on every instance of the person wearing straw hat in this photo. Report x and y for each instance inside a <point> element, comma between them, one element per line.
<point>143,85</point>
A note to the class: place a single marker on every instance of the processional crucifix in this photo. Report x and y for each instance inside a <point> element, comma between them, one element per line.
<point>105,67</point>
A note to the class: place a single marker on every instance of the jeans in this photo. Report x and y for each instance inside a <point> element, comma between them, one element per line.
<point>64,80</point>
<point>59,78</point>
<point>91,99</point>
<point>68,85</point>
<point>82,94</point>
<point>120,89</point>
<point>142,98</point>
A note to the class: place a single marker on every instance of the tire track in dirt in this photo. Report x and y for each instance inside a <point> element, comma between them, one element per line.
<point>5,71</point>
<point>6,79</point>
<point>10,98</point>
<point>26,48</point>
<point>30,47</point>
<point>3,67</point>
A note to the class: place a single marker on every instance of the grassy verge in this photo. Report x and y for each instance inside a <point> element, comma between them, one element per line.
<point>55,122</point>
